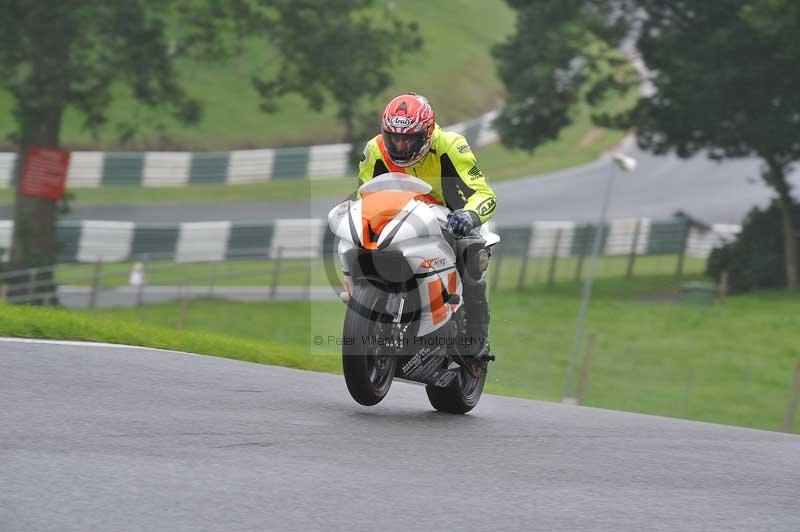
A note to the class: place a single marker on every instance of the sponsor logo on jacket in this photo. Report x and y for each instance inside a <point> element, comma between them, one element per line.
<point>486,206</point>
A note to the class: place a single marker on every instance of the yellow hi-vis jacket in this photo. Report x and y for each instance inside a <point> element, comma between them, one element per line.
<point>449,167</point>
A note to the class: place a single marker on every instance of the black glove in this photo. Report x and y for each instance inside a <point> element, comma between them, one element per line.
<point>461,223</point>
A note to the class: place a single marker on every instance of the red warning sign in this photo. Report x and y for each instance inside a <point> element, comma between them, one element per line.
<point>45,173</point>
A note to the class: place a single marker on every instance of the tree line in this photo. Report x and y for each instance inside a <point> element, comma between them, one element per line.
<point>57,55</point>
<point>723,79</point>
<point>723,74</point>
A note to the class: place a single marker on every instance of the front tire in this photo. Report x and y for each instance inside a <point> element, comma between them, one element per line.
<point>368,369</point>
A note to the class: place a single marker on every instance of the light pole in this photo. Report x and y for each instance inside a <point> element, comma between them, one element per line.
<point>628,164</point>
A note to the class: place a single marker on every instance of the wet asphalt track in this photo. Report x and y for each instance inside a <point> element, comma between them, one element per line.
<point>114,438</point>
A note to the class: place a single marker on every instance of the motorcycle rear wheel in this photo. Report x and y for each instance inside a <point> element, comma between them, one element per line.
<point>368,369</point>
<point>463,394</point>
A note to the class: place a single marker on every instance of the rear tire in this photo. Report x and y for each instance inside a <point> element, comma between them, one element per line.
<point>461,396</point>
<point>368,369</point>
<point>463,393</point>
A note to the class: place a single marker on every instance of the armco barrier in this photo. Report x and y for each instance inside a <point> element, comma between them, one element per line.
<point>90,241</point>
<point>92,169</point>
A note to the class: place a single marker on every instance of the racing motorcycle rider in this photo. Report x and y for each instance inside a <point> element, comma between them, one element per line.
<point>411,142</point>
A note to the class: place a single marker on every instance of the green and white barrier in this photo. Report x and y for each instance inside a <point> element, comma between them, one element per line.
<point>92,169</point>
<point>90,241</point>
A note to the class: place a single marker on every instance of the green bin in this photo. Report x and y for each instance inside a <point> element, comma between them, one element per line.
<point>698,292</point>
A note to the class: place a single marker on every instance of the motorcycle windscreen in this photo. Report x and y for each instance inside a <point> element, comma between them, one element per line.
<point>395,181</point>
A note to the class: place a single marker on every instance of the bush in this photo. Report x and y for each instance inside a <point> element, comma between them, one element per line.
<point>755,260</point>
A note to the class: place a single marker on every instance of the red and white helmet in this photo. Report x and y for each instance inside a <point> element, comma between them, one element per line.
<point>407,128</point>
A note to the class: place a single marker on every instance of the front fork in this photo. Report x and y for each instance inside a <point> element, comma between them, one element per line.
<point>398,316</point>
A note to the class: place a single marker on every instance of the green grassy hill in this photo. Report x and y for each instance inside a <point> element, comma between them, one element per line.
<point>454,69</point>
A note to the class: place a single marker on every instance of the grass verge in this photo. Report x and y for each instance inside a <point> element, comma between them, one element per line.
<point>508,272</point>
<point>730,362</point>
<point>35,322</point>
<point>578,144</point>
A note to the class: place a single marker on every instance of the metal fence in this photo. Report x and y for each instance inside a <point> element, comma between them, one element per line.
<point>569,244</point>
<point>249,275</point>
<point>282,259</point>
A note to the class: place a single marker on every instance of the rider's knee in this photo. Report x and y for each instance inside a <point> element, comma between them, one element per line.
<point>472,259</point>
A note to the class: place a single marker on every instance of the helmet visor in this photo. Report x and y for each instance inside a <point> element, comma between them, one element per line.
<point>403,147</point>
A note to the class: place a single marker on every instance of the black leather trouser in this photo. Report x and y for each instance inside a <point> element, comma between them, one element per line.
<point>473,277</point>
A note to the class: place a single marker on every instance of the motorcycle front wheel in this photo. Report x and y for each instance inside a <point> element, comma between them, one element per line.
<point>368,367</point>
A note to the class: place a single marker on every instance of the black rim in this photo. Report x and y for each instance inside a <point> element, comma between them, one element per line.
<point>469,384</point>
<point>380,360</point>
<point>379,364</point>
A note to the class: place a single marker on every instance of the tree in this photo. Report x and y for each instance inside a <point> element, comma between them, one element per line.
<point>55,55</point>
<point>339,50</point>
<point>754,260</point>
<point>727,84</point>
<point>725,77</point>
<point>561,52</point>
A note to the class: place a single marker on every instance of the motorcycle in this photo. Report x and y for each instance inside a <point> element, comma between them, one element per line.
<point>402,273</point>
